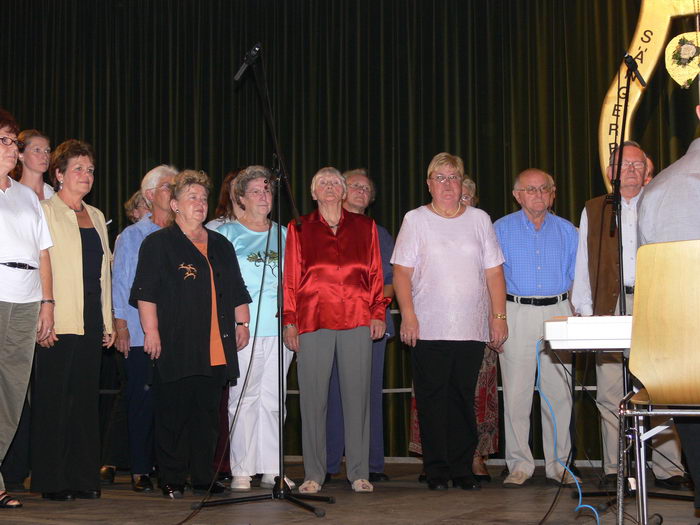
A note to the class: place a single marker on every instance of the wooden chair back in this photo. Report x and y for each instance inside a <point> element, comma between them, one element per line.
<point>665,349</point>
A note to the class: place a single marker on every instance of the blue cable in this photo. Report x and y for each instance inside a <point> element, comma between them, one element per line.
<point>580,505</point>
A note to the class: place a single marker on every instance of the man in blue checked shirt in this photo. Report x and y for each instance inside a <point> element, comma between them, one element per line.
<point>540,253</point>
<point>156,188</point>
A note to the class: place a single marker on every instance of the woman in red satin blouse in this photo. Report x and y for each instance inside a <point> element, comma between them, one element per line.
<point>334,306</point>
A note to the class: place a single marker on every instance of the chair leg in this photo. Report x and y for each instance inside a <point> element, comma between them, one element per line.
<point>621,479</point>
<point>640,466</point>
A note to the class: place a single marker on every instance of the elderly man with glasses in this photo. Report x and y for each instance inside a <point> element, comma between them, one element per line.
<point>596,291</point>
<point>540,253</point>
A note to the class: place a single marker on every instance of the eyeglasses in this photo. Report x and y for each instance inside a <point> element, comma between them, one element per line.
<point>258,193</point>
<point>531,190</point>
<point>166,186</point>
<point>37,150</point>
<point>7,141</point>
<point>637,165</point>
<point>450,178</point>
<point>466,198</point>
<point>329,182</point>
<point>359,187</point>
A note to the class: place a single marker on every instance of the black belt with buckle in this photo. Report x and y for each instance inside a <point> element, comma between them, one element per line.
<point>537,301</point>
<point>19,266</point>
<point>629,290</point>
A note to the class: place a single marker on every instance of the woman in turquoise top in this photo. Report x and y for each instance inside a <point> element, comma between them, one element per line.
<point>254,440</point>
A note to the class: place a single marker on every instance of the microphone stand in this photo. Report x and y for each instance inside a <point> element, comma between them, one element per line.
<point>281,490</point>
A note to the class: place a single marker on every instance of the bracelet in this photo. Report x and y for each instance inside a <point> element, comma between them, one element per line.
<point>500,316</point>
<point>246,324</point>
<point>50,301</point>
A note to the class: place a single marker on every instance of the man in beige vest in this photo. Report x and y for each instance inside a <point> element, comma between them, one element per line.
<point>596,291</point>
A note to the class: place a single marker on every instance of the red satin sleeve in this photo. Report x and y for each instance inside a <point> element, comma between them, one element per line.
<point>333,281</point>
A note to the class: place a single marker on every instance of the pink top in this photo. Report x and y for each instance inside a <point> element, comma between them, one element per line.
<point>448,257</point>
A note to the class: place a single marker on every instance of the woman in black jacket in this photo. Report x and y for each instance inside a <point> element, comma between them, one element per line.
<point>193,306</point>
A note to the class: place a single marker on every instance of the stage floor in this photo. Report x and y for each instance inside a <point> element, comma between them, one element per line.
<point>401,501</point>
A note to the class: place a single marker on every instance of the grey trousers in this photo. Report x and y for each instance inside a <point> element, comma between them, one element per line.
<point>353,352</point>
<point>17,338</point>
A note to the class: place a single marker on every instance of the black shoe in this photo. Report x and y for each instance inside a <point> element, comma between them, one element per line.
<point>608,482</point>
<point>329,477</point>
<point>679,483</point>
<point>378,476</point>
<point>224,477</point>
<point>172,491</point>
<point>437,484</point>
<point>107,475</point>
<point>63,495</point>
<point>466,483</point>
<point>422,478</point>
<point>216,488</point>
<point>142,484</point>
<point>486,478</point>
<point>87,494</point>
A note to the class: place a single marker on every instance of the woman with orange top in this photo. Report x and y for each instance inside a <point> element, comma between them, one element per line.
<point>193,306</point>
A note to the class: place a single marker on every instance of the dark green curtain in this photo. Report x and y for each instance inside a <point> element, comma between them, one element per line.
<point>380,84</point>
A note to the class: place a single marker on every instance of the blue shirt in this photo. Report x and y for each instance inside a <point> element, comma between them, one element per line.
<point>386,247</point>
<point>126,258</point>
<point>538,262</point>
<point>252,258</point>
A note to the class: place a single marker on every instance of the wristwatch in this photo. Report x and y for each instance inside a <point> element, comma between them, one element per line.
<point>246,324</point>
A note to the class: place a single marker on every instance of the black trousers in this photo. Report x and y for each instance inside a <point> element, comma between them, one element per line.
<point>444,378</point>
<point>65,435</point>
<point>186,426</point>
<point>113,417</point>
<point>15,466</point>
<point>139,408</point>
<point>689,431</point>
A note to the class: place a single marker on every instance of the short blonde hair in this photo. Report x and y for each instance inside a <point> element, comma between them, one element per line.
<point>328,170</point>
<point>446,159</point>
<point>187,178</point>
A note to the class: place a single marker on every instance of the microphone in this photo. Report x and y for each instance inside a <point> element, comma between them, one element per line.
<point>632,67</point>
<point>250,57</point>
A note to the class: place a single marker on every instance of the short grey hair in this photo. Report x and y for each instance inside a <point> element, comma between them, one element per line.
<point>626,143</point>
<point>249,174</point>
<point>329,170</point>
<point>550,179</point>
<point>151,179</point>
<point>363,172</point>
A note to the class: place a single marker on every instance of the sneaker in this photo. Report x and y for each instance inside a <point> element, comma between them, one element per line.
<point>240,484</point>
<point>515,480</point>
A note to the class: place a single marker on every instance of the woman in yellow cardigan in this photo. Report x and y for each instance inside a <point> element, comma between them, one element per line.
<point>65,422</point>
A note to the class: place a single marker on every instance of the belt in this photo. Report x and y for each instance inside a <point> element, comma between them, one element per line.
<point>629,290</point>
<point>537,301</point>
<point>19,266</point>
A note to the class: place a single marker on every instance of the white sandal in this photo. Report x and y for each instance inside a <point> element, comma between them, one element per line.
<point>309,487</point>
<point>240,484</point>
<point>362,485</point>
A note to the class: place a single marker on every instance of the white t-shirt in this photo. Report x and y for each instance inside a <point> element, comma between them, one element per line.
<point>448,257</point>
<point>23,234</point>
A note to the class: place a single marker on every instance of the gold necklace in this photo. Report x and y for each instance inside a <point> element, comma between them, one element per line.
<point>445,215</point>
